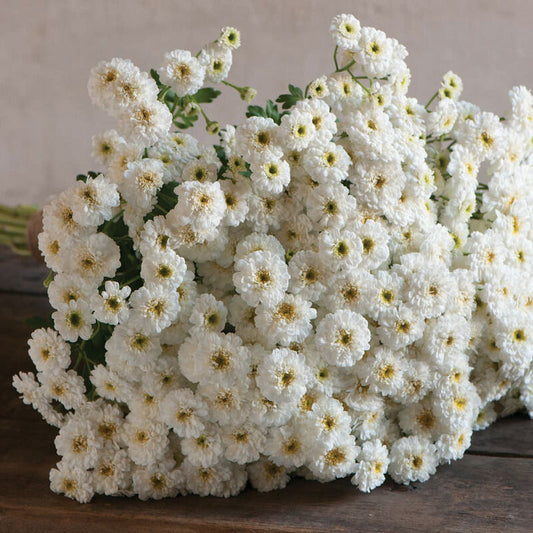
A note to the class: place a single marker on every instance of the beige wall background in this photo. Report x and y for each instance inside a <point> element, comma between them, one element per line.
<point>47,48</point>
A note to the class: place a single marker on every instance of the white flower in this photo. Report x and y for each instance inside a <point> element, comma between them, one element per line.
<point>297,130</point>
<point>164,269</point>
<point>287,321</point>
<point>110,306</point>
<point>65,287</point>
<point>184,412</point>
<point>105,146</point>
<point>412,459</point>
<point>213,358</point>
<point>142,180</point>
<point>77,443</point>
<point>265,475</point>
<point>145,439</point>
<point>94,201</point>
<point>282,376</point>
<point>183,72</point>
<point>216,59</point>
<point>345,30</point>
<point>72,481</point>
<point>243,443</point>
<point>155,306</point>
<point>343,337</point>
<point>376,52</point>
<point>146,123</point>
<point>59,223</point>
<point>327,163</point>
<point>157,481</point>
<point>261,277</point>
<point>451,86</point>
<point>270,176</point>
<point>309,276</point>
<point>118,84</point>
<point>230,37</point>
<point>327,420</point>
<point>287,446</point>
<point>372,464</point>
<point>340,249</point>
<point>443,118</point>
<point>132,343</point>
<point>200,205</point>
<point>256,139</point>
<point>330,205</point>
<point>400,327</point>
<point>48,350</point>
<point>323,119</point>
<point>94,258</point>
<point>74,320</point>
<point>204,450</point>
<point>65,387</point>
<point>208,313</point>
<point>236,197</point>
<point>112,472</point>
<point>334,459</point>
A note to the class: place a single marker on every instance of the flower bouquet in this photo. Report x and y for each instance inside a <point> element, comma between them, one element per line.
<point>341,286</point>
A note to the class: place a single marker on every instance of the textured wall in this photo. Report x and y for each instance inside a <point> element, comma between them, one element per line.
<point>47,48</point>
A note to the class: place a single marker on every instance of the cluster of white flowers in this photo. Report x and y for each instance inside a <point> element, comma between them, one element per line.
<point>330,292</point>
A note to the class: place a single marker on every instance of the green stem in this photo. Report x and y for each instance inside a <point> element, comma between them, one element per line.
<point>7,229</point>
<point>237,88</point>
<point>335,58</point>
<point>6,218</point>
<point>163,94</point>
<point>348,66</point>
<point>130,281</point>
<point>13,241</point>
<point>431,100</point>
<point>354,78</point>
<point>20,210</point>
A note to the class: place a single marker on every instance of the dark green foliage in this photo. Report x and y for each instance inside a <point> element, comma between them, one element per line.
<point>289,100</point>
<point>269,111</point>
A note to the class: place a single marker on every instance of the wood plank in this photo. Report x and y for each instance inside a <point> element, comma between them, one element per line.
<point>21,274</point>
<point>14,334</point>
<point>512,436</point>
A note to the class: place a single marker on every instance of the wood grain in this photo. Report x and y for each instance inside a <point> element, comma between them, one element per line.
<point>488,491</point>
<point>21,274</point>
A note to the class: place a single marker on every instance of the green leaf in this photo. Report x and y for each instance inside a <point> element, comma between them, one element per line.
<point>36,322</point>
<point>155,77</point>
<point>255,111</point>
<point>206,95</point>
<point>270,111</point>
<point>186,122</point>
<point>289,100</point>
<point>81,177</point>
<point>296,91</point>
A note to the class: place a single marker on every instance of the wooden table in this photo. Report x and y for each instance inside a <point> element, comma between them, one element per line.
<point>491,489</point>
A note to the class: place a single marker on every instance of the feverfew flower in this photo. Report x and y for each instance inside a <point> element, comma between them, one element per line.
<point>48,350</point>
<point>183,72</point>
<point>345,30</point>
<point>261,277</point>
<point>343,337</point>
<point>282,376</point>
<point>412,459</point>
<point>110,306</point>
<point>372,464</point>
